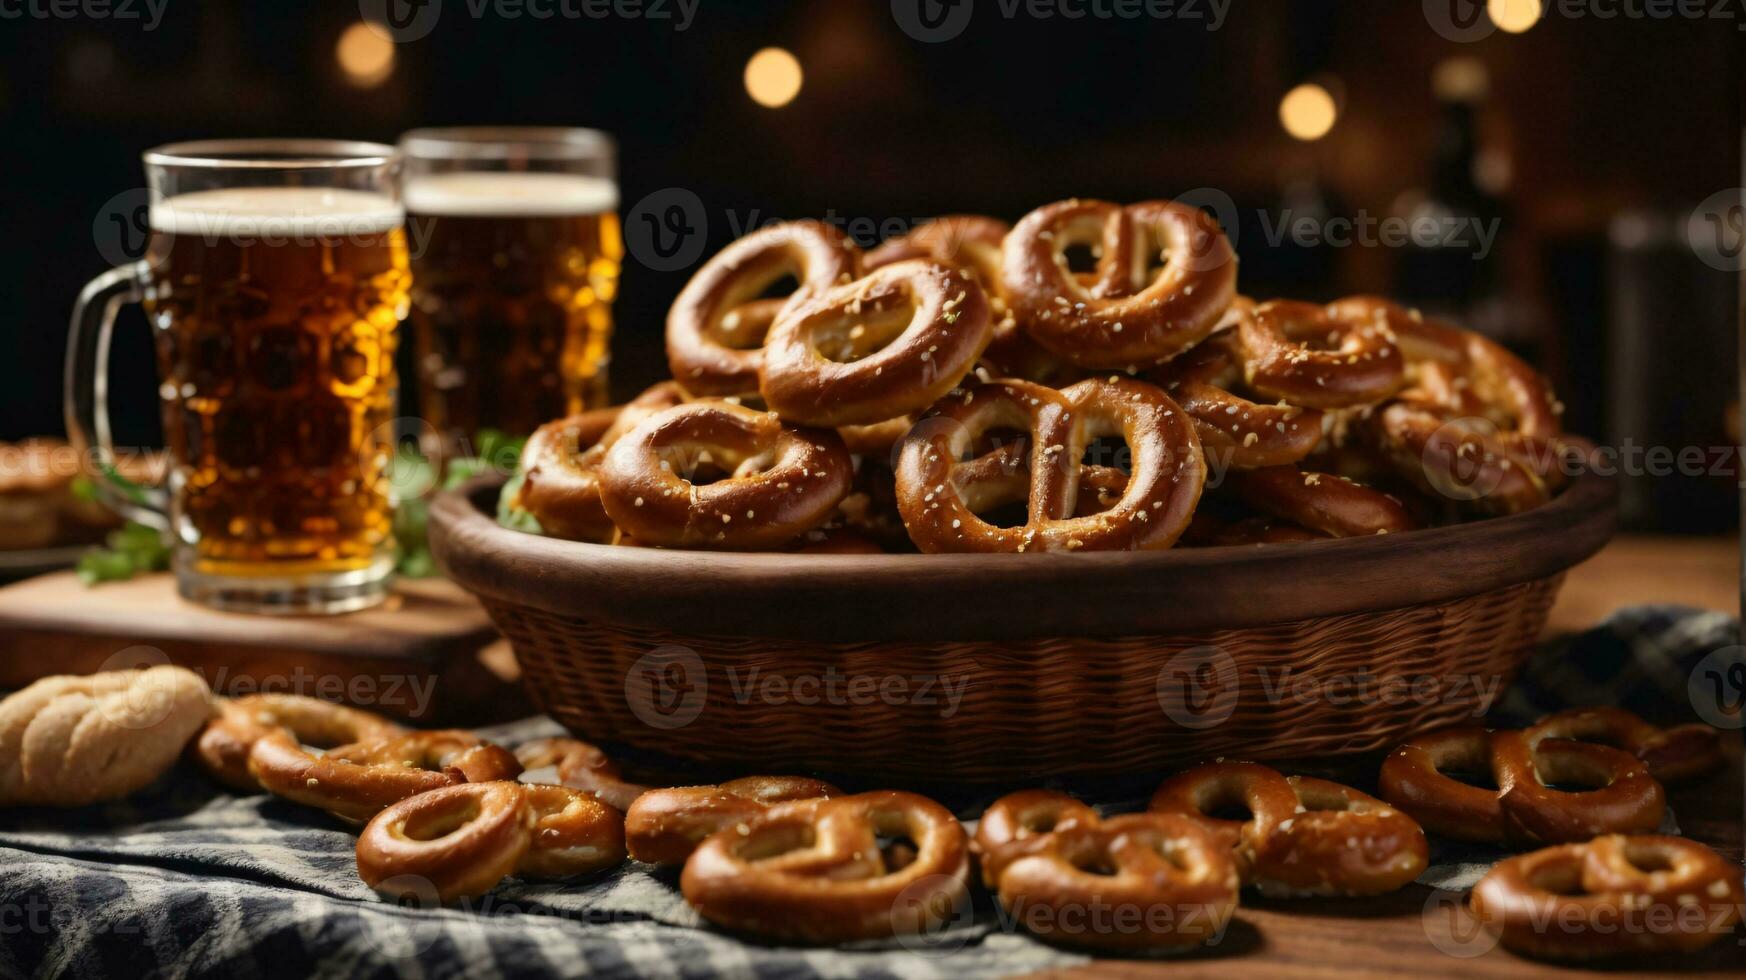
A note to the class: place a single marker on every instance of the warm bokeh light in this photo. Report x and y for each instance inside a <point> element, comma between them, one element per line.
<point>1460,79</point>
<point>366,57</point>
<point>1513,16</point>
<point>1308,111</point>
<point>773,78</point>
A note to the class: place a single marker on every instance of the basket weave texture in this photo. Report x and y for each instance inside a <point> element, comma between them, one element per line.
<point>994,711</point>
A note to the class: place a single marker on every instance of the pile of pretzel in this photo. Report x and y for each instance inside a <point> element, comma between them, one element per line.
<point>1089,378</point>
<point>446,817</point>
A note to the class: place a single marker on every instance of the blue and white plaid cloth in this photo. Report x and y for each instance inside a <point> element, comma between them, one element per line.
<point>186,879</point>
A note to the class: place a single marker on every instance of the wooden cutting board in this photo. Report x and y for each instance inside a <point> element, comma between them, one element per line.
<point>430,654</point>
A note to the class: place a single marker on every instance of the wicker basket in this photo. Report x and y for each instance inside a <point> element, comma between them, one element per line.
<point>993,668</point>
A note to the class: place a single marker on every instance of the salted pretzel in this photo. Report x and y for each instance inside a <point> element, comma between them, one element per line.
<point>1140,881</point>
<point>72,740</point>
<point>940,498</point>
<point>1303,836</point>
<point>780,481</point>
<point>560,465</point>
<point>1475,424</point>
<point>460,841</point>
<point>1322,502</point>
<point>1234,430</point>
<point>1523,809</point>
<point>888,344</point>
<point>1612,896</point>
<point>712,347</point>
<point>1020,816</point>
<point>355,782</point>
<point>813,870</point>
<point>1123,316</point>
<point>971,242</point>
<point>1332,356</point>
<point>581,766</point>
<point>664,826</point>
<point>223,746</point>
<point>1672,754</point>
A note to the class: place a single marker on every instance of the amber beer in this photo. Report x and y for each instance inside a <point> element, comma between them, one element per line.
<point>276,312</point>
<point>275,277</point>
<point>514,274</point>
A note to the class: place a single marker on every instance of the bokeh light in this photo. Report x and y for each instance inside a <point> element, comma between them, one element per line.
<point>773,78</point>
<point>364,55</point>
<point>1308,111</point>
<point>1513,16</point>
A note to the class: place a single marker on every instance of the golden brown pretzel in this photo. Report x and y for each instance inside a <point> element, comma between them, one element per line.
<point>1611,896</point>
<point>1522,810</point>
<point>1140,881</point>
<point>970,242</point>
<point>664,826</point>
<point>460,841</point>
<point>1124,316</point>
<point>1235,431</point>
<point>813,871</point>
<point>1242,434</point>
<point>1019,816</point>
<point>780,481</point>
<point>560,465</point>
<point>698,340</point>
<point>940,498</point>
<point>1304,836</point>
<point>1672,754</point>
<point>223,746</point>
<point>1476,425</point>
<point>1332,505</point>
<point>888,344</point>
<point>72,740</point>
<point>1330,356</point>
<point>355,782</point>
<point>581,766</point>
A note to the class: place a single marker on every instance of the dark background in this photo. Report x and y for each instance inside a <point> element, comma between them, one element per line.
<point>1596,140</point>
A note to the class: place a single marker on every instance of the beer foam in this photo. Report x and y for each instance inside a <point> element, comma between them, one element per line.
<point>277,211</point>
<point>511,194</point>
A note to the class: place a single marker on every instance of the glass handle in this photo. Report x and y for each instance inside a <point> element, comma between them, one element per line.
<point>86,398</point>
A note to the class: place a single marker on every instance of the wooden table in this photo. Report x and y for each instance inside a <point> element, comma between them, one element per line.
<point>429,654</point>
<point>1391,935</point>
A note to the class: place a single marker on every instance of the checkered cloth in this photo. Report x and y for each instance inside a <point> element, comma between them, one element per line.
<point>188,880</point>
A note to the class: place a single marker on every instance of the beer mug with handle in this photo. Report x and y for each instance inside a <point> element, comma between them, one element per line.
<point>275,279</point>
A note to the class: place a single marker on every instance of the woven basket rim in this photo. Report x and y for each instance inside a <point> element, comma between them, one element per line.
<point>832,598</point>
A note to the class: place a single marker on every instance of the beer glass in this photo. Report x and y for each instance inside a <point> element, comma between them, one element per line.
<point>275,279</point>
<point>516,254</point>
